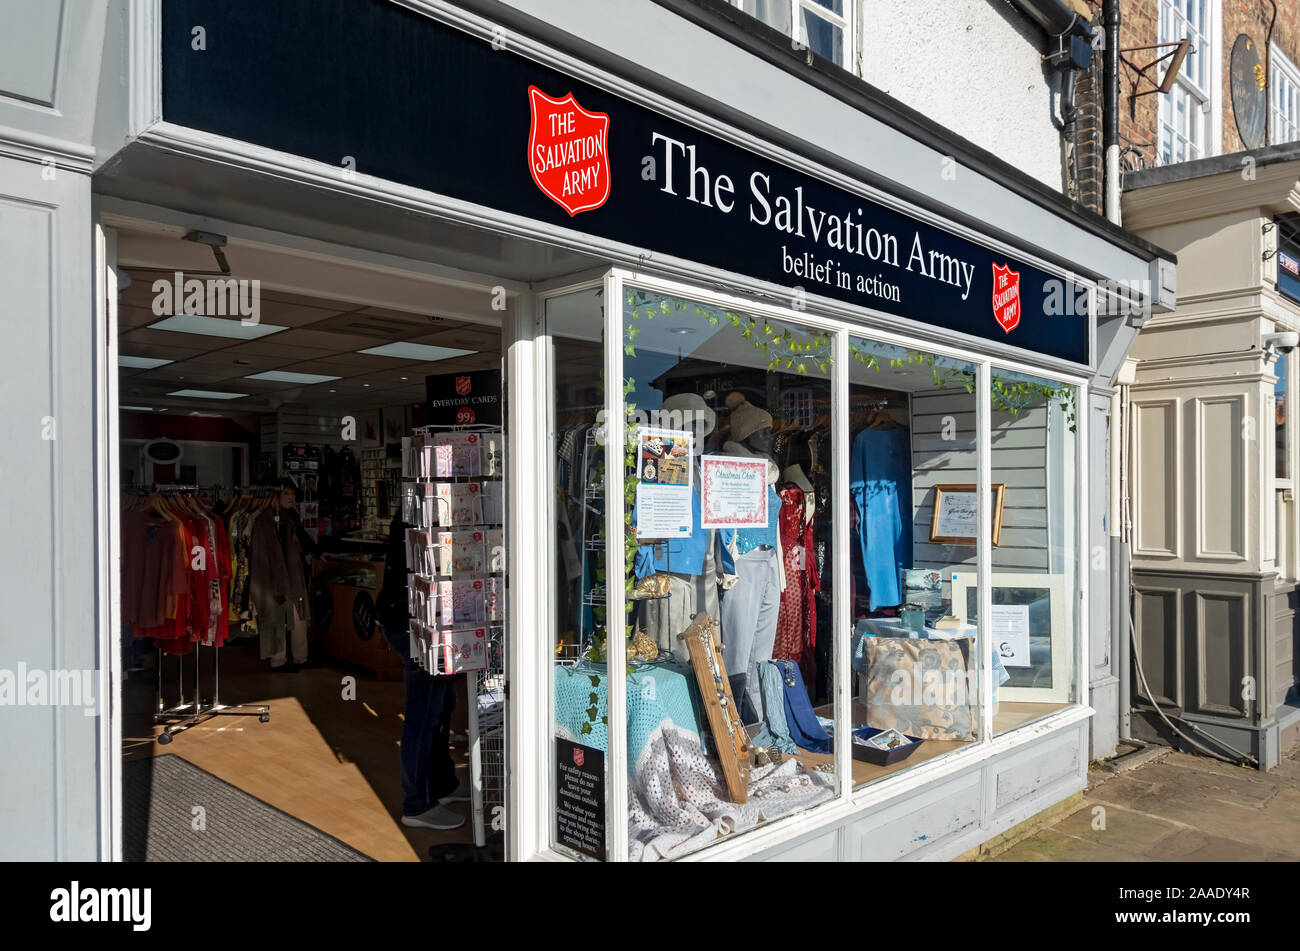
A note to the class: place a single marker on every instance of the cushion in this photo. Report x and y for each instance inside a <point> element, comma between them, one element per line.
<point>920,687</point>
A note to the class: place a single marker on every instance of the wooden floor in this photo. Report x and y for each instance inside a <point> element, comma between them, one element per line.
<point>1008,717</point>
<point>331,762</point>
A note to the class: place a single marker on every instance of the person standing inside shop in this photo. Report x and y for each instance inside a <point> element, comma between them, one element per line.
<point>278,581</point>
<point>428,772</point>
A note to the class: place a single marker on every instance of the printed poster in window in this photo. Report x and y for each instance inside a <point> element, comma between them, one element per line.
<point>664,486</point>
<point>733,492</point>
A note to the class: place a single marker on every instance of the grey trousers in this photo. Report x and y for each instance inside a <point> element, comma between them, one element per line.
<point>749,613</point>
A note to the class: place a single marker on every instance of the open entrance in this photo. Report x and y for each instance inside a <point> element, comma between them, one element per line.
<point>311,526</point>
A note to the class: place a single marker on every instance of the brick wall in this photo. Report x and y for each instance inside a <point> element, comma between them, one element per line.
<point>1138,121</point>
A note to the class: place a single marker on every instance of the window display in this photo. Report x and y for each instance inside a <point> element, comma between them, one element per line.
<point>725,481</point>
<point>912,473</point>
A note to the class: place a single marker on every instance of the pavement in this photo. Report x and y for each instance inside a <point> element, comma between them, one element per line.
<point>1175,807</point>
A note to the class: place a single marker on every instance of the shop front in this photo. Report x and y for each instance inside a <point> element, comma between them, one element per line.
<point>805,469</point>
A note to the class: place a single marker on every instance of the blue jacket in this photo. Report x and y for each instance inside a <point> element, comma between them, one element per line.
<point>880,485</point>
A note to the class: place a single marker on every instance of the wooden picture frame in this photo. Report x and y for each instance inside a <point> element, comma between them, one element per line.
<point>954,494</point>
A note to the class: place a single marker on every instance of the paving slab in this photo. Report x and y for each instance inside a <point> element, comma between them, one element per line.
<point>1178,807</point>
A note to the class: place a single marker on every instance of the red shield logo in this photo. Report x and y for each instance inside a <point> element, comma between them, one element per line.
<point>463,385</point>
<point>578,757</point>
<point>1006,297</point>
<point>568,152</point>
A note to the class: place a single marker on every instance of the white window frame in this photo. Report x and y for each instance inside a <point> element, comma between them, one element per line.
<point>845,23</point>
<point>1283,97</point>
<point>1205,132</point>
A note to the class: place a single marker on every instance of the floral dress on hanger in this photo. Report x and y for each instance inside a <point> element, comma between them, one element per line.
<point>796,620</point>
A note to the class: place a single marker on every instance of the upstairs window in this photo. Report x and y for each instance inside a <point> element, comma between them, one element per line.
<point>1284,99</point>
<point>824,26</point>
<point>1187,112</point>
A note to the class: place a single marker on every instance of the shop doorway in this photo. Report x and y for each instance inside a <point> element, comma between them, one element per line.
<point>276,455</point>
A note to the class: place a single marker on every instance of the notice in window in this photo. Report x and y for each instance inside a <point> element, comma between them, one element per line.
<point>580,798</point>
<point>733,492</point>
<point>665,483</point>
<point>1010,628</point>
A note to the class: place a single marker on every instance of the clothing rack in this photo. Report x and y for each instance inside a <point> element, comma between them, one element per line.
<point>182,715</point>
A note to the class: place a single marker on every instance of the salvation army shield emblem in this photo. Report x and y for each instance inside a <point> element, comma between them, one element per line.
<point>463,385</point>
<point>578,757</point>
<point>1006,297</point>
<point>568,152</point>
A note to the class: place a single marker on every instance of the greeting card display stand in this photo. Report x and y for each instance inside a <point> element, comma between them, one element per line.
<point>453,493</point>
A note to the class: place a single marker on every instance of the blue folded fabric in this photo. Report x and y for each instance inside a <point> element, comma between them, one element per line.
<point>806,732</point>
<point>775,732</point>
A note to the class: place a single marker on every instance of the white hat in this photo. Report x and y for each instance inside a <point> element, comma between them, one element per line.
<point>694,404</point>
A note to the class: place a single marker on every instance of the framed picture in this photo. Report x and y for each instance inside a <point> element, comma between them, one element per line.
<point>956,519</point>
<point>1028,631</point>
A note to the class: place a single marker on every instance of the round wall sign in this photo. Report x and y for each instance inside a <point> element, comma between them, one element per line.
<point>1249,103</point>
<point>162,451</point>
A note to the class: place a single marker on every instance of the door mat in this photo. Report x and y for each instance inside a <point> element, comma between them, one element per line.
<point>173,811</point>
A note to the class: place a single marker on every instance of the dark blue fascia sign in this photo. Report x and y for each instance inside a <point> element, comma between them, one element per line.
<point>376,87</point>
<point>1288,270</point>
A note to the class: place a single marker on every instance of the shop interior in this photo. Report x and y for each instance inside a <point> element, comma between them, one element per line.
<point>743,734</point>
<point>316,374</point>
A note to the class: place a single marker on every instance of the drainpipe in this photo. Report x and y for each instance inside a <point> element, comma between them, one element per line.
<point>1110,110</point>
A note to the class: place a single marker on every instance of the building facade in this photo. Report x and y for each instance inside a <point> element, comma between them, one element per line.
<point>1208,505</point>
<point>740,262</point>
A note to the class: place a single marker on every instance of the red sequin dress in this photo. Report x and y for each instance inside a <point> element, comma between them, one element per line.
<point>796,619</point>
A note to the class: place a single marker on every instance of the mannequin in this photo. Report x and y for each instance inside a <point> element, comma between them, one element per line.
<point>750,607</point>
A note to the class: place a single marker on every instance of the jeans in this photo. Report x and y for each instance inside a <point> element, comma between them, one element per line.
<point>749,612</point>
<point>428,772</point>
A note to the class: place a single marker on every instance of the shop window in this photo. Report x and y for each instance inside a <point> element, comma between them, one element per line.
<point>1284,98</point>
<point>824,26</point>
<point>724,529</point>
<point>913,465</point>
<point>1188,112</point>
<point>1034,590</point>
<point>1281,431</point>
<point>729,512</point>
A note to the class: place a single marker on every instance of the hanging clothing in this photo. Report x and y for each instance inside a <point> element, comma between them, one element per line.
<point>880,485</point>
<point>796,623</point>
<point>277,576</point>
<point>805,730</point>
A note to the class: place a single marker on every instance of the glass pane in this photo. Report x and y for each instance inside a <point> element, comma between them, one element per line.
<point>574,323</point>
<point>835,6</point>
<point>775,13</point>
<point>728,507</point>
<point>1282,468</point>
<point>823,37</point>
<point>912,470</point>
<point>1033,432</point>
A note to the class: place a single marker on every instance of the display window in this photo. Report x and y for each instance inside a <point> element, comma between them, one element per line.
<point>1034,583</point>
<point>913,469</point>
<point>786,547</point>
